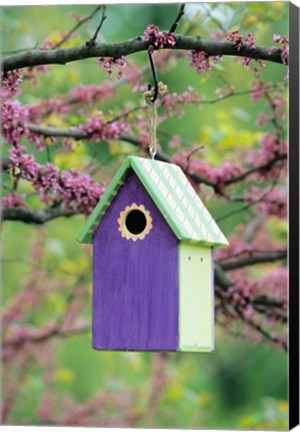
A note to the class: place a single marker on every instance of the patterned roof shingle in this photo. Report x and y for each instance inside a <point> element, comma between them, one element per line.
<point>173,195</point>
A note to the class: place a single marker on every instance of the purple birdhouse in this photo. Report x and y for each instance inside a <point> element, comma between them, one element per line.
<point>153,245</point>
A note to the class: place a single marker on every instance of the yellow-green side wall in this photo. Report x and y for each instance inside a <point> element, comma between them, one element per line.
<point>196,298</point>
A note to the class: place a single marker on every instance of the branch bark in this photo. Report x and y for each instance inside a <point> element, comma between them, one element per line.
<point>135,45</point>
<point>77,134</point>
<point>270,256</point>
<point>38,217</point>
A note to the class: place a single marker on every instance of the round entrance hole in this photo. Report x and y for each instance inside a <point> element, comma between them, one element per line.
<point>136,222</point>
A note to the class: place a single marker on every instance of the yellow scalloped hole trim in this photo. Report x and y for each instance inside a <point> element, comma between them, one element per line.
<point>122,222</point>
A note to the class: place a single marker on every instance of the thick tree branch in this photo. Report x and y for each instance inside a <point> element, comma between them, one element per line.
<point>77,134</point>
<point>269,256</point>
<point>221,279</point>
<point>38,217</point>
<point>40,337</point>
<point>266,301</point>
<point>57,132</point>
<point>134,45</point>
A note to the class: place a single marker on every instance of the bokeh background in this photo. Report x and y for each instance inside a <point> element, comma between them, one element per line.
<point>243,384</point>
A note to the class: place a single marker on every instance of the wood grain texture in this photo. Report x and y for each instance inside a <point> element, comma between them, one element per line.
<point>135,292</point>
<point>195,298</point>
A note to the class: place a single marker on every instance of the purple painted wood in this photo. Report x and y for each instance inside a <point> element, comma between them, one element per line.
<point>135,292</point>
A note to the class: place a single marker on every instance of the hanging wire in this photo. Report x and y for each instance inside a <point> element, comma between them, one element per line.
<point>155,78</point>
<point>150,98</point>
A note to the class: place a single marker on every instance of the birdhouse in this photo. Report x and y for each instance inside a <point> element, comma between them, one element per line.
<point>153,268</point>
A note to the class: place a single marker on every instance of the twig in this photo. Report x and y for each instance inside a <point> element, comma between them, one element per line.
<point>92,41</point>
<point>191,153</point>
<point>19,50</point>
<point>258,328</point>
<point>177,19</point>
<point>265,166</point>
<point>76,27</point>
<point>232,94</point>
<point>252,203</point>
<point>215,20</point>
<point>251,228</point>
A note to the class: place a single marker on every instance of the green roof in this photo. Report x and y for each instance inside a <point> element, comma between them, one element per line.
<point>173,195</point>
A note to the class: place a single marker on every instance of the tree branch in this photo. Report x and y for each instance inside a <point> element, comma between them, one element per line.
<point>76,27</point>
<point>40,337</point>
<point>215,20</point>
<point>70,132</point>
<point>92,41</point>
<point>177,19</point>
<point>252,170</point>
<point>77,134</point>
<point>134,45</point>
<point>269,256</point>
<point>38,217</point>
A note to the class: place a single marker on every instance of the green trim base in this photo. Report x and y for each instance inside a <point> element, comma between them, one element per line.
<point>191,348</point>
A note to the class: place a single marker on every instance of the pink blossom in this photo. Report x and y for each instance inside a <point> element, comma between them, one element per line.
<point>10,83</point>
<point>87,94</point>
<point>174,102</point>
<point>157,38</point>
<point>217,58</point>
<point>220,92</point>
<point>275,282</point>
<point>97,128</point>
<point>79,192</point>
<point>250,41</point>
<point>108,63</point>
<point>31,73</point>
<point>269,146</point>
<point>175,142</point>
<point>47,44</point>
<point>285,54</point>
<point>262,119</point>
<point>200,61</point>
<point>216,175</point>
<point>273,204</point>
<point>13,200</point>
<point>217,35</point>
<point>246,61</point>
<point>279,39</point>
<point>276,38</point>
<point>236,38</point>
<point>258,89</point>
<point>285,49</point>
<point>13,120</point>
<point>78,18</point>
<point>68,144</point>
